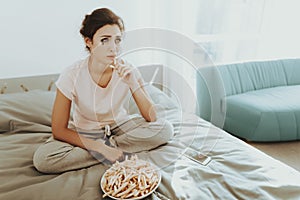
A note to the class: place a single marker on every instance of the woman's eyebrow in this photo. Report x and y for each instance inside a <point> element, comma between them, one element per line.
<point>111,35</point>
<point>105,36</point>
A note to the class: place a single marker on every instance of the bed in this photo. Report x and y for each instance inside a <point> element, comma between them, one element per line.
<point>236,171</point>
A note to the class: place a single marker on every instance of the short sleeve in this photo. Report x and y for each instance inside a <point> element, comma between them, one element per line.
<point>65,82</point>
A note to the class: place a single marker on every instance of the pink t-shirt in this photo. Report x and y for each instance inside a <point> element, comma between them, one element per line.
<point>94,106</point>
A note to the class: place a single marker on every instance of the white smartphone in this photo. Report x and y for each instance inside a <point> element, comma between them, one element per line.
<point>197,156</point>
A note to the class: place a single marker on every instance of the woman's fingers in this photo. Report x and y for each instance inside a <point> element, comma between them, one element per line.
<point>123,70</point>
<point>126,73</point>
<point>115,154</point>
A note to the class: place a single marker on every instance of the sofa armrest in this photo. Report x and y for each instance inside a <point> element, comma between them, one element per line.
<point>210,94</point>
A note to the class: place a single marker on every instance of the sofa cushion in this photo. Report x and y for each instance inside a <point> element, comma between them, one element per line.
<point>271,114</point>
<point>243,77</point>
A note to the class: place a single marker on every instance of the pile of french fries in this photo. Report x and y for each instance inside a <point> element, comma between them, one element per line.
<point>131,178</point>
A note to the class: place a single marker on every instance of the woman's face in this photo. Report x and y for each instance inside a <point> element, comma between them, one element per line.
<point>105,45</point>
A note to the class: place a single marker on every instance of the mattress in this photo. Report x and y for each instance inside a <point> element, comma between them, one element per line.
<point>236,171</point>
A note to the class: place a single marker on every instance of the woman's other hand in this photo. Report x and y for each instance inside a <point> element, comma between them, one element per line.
<point>112,154</point>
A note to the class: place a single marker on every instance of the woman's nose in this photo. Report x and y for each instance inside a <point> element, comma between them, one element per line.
<point>113,47</point>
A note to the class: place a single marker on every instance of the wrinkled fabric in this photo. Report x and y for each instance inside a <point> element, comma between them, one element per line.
<point>236,171</point>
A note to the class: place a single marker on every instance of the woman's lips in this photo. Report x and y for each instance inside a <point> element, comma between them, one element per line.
<point>111,57</point>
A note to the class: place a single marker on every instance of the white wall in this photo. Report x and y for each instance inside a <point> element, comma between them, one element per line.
<point>42,37</point>
<point>280,30</point>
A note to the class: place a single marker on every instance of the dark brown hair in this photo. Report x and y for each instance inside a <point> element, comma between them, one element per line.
<point>97,19</point>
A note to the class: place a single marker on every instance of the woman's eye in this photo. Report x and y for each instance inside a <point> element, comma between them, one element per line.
<point>104,40</point>
<point>118,41</point>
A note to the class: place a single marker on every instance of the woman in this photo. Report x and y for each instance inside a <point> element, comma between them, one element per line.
<point>98,87</point>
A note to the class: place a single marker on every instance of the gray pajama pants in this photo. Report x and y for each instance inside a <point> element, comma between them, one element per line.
<point>131,136</point>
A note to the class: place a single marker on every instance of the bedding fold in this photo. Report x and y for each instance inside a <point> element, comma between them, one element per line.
<point>236,171</point>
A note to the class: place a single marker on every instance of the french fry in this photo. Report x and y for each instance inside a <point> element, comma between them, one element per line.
<point>122,194</point>
<point>119,189</point>
<point>108,193</point>
<point>130,178</point>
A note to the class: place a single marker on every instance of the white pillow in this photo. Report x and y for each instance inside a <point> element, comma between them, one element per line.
<point>35,107</point>
<point>162,101</point>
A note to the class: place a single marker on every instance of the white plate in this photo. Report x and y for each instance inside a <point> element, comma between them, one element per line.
<point>134,198</point>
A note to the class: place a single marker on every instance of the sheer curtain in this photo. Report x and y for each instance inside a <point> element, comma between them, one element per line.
<point>224,31</point>
<point>230,30</point>
<point>206,32</point>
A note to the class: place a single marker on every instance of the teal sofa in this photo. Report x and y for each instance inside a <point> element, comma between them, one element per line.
<point>256,101</point>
